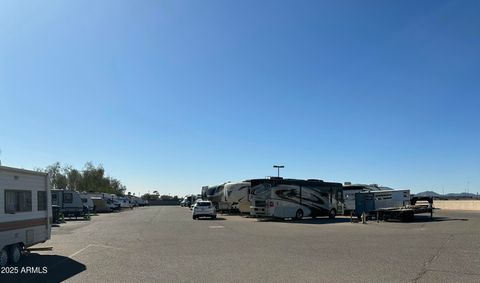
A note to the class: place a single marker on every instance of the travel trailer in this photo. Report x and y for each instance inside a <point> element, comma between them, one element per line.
<point>292,198</point>
<point>70,203</point>
<point>125,202</point>
<point>25,212</point>
<point>236,197</point>
<point>100,205</point>
<point>110,199</point>
<point>87,200</point>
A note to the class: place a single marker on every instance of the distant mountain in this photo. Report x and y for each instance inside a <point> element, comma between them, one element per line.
<point>461,195</point>
<point>428,194</point>
<point>447,196</point>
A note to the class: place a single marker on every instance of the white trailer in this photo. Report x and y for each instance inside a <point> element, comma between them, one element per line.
<point>350,190</point>
<point>70,203</point>
<point>25,211</point>
<point>368,202</point>
<point>87,200</point>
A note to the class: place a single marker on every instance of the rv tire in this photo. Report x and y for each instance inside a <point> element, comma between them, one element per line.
<point>3,257</point>
<point>332,214</point>
<point>299,214</point>
<point>15,254</point>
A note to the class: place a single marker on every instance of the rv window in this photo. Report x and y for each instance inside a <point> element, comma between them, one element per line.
<point>18,201</point>
<point>67,198</point>
<point>41,200</point>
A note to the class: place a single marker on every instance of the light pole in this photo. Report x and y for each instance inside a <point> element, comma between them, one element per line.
<point>278,169</point>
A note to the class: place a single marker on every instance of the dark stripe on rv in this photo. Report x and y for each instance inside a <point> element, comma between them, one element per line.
<point>14,225</point>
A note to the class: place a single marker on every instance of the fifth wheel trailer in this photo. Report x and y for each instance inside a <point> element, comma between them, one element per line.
<point>236,197</point>
<point>25,211</point>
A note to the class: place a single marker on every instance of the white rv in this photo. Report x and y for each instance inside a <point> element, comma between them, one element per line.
<point>87,200</point>
<point>236,197</point>
<point>25,211</point>
<point>291,198</point>
<point>70,203</point>
<point>110,199</point>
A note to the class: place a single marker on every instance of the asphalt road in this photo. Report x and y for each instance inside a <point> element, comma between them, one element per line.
<point>164,244</point>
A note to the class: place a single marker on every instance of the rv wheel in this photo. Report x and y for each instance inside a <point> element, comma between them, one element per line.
<point>332,214</point>
<point>3,257</point>
<point>299,214</point>
<point>15,254</point>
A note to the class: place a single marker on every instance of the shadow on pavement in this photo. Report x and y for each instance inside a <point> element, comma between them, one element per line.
<point>312,221</point>
<point>208,218</point>
<point>426,218</point>
<point>43,268</point>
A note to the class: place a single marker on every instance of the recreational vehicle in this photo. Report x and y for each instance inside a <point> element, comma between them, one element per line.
<point>204,192</point>
<point>100,205</point>
<point>25,211</point>
<point>292,198</point>
<point>215,194</point>
<point>110,199</point>
<point>87,200</point>
<point>70,203</point>
<point>236,197</point>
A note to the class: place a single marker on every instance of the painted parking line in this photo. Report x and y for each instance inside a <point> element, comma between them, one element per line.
<point>216,227</point>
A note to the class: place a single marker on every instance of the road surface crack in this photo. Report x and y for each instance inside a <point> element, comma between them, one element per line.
<point>432,258</point>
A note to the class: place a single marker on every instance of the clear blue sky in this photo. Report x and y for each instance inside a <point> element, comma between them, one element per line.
<point>173,95</point>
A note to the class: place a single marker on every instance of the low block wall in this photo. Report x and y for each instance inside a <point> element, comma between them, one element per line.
<point>457,204</point>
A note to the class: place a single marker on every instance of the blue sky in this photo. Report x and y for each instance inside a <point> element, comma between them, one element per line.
<point>173,95</point>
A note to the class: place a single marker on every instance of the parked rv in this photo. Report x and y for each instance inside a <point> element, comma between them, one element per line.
<point>70,203</point>
<point>215,194</point>
<point>87,200</point>
<point>100,205</point>
<point>292,198</point>
<point>110,199</point>
<point>25,212</point>
<point>125,202</point>
<point>235,197</point>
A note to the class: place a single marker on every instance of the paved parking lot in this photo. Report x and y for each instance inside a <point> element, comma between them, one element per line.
<point>164,244</point>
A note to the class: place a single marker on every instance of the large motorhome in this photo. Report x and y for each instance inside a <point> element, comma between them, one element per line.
<point>236,197</point>
<point>292,198</point>
<point>25,211</point>
<point>70,203</point>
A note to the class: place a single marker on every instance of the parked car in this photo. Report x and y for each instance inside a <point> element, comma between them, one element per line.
<point>204,208</point>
